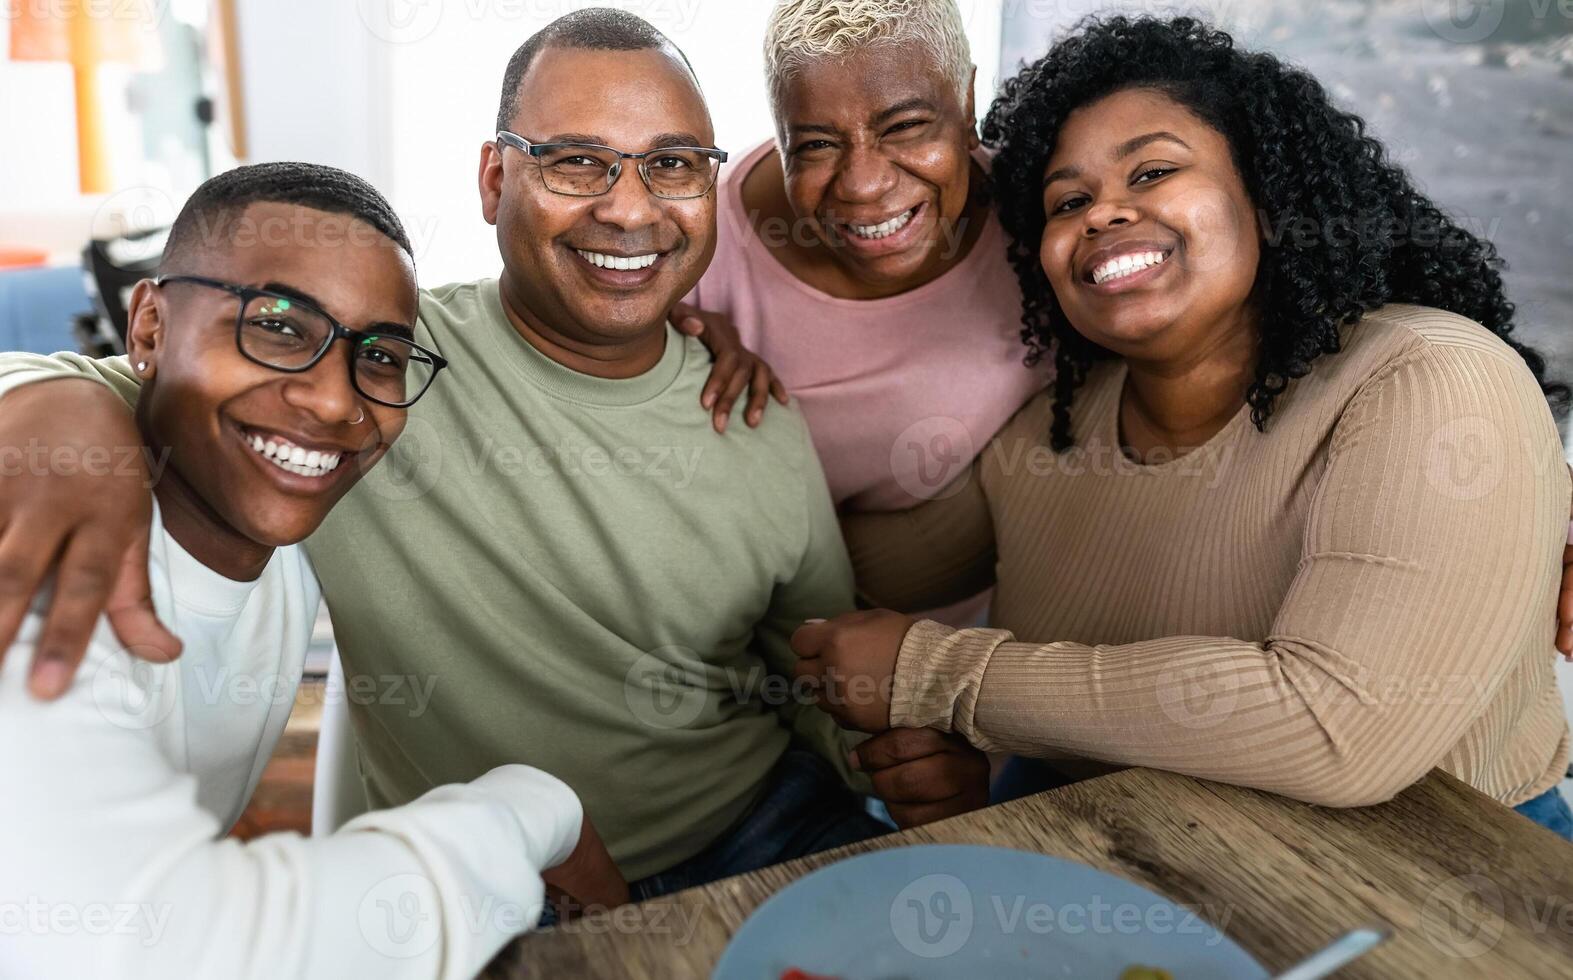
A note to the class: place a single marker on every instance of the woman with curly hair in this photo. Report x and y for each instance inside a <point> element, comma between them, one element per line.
<point>1290,515</point>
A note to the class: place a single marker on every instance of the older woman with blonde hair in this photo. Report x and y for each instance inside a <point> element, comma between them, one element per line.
<point>858,255</point>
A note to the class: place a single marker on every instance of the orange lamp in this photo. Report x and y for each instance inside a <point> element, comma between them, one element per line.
<point>88,36</point>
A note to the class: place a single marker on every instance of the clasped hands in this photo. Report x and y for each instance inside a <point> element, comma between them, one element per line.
<point>921,774</point>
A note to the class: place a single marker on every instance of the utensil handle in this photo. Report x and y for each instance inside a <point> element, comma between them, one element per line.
<point>1341,951</point>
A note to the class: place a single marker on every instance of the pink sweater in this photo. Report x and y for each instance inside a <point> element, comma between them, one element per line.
<point>900,393</point>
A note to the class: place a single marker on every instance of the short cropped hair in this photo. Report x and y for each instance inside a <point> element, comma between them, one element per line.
<point>590,29</point>
<point>801,31</point>
<point>223,197</point>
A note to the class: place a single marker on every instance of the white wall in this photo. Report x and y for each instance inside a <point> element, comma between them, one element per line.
<point>311,85</point>
<point>403,92</point>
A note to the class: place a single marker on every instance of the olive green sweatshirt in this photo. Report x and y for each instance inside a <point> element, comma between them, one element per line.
<point>586,576</point>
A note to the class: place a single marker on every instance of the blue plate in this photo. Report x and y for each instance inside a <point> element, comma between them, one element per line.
<point>989,913</point>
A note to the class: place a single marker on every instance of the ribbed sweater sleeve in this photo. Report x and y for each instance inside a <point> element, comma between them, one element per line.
<point>1429,564</point>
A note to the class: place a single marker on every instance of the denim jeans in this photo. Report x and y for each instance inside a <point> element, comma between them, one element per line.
<point>806,808</point>
<point>1551,811</point>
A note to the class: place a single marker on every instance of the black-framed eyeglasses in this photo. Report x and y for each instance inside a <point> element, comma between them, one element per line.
<point>672,173</point>
<point>288,334</point>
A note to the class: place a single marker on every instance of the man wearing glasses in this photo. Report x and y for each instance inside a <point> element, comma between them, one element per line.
<point>596,582</point>
<point>273,376</point>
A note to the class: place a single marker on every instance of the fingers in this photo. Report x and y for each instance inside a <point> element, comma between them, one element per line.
<point>25,557</point>
<point>898,746</point>
<point>686,319</point>
<point>131,612</point>
<point>809,640</point>
<point>87,572</point>
<point>734,387</point>
<point>720,373</point>
<point>758,394</point>
<point>925,780</point>
<point>779,390</point>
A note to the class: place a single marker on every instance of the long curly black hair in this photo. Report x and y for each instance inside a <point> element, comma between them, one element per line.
<point>1378,239</point>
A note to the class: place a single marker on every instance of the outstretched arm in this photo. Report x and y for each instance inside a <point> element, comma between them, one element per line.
<point>76,500</point>
<point>1414,606</point>
<point>99,822</point>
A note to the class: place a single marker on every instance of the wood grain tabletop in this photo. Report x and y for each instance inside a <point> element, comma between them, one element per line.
<point>1468,887</point>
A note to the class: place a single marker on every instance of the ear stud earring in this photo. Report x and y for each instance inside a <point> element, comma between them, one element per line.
<point>141,366</point>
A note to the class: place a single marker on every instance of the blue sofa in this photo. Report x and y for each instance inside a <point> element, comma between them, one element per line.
<point>36,307</point>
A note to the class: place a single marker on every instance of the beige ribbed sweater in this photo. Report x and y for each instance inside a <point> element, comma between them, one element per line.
<point>1327,610</point>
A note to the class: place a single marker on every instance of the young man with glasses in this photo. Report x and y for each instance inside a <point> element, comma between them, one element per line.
<point>601,584</point>
<point>273,375</point>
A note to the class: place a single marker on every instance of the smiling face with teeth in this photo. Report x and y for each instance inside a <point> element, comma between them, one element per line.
<point>590,280</point>
<point>876,162</point>
<point>1150,242</point>
<point>257,457</point>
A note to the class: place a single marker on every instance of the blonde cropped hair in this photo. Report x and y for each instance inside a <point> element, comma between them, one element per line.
<point>801,31</point>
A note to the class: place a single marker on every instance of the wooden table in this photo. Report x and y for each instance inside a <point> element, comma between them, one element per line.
<point>1469,888</point>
